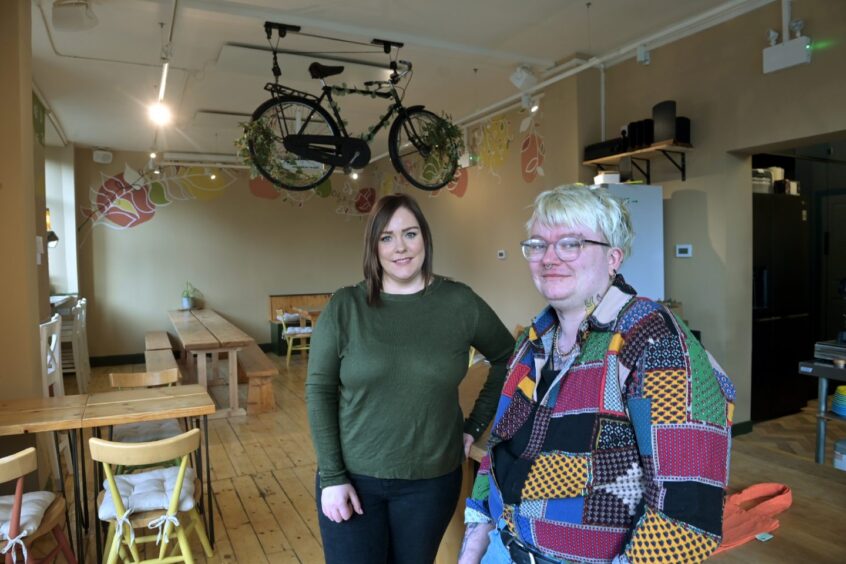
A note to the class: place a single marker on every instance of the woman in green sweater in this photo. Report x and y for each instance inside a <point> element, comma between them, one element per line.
<point>386,361</point>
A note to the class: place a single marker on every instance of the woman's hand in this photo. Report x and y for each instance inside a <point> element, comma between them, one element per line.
<point>468,442</point>
<point>475,543</point>
<point>339,502</point>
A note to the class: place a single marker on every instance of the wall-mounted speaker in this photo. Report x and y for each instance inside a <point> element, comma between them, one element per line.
<point>102,157</point>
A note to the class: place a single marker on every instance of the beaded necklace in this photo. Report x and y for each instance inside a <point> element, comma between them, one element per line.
<point>556,336</point>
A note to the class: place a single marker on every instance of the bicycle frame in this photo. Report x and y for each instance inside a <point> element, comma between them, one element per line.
<point>278,90</point>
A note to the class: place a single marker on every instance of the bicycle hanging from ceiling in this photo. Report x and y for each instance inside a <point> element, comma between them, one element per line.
<point>296,143</point>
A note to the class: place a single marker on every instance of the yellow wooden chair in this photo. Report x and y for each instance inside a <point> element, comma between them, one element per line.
<point>25,517</point>
<point>146,509</point>
<point>297,337</point>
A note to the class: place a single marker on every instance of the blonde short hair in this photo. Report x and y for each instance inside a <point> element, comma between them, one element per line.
<point>589,206</point>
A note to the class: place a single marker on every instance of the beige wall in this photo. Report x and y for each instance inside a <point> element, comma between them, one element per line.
<point>238,248</point>
<point>716,79</point>
<point>20,369</point>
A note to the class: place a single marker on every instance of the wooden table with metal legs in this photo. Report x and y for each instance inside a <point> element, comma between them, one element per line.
<point>824,371</point>
<point>152,404</point>
<point>54,414</point>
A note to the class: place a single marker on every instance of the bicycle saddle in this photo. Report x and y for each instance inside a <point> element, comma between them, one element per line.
<point>322,71</point>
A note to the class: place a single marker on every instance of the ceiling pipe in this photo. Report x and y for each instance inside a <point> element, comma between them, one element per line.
<point>690,25</point>
<point>167,52</point>
<point>59,54</point>
<point>54,119</point>
<point>602,102</point>
<point>786,9</point>
<point>263,13</point>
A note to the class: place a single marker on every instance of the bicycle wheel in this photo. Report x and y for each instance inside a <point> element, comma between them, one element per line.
<point>424,167</point>
<point>285,116</point>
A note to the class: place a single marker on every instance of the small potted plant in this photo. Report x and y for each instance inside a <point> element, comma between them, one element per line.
<point>188,296</point>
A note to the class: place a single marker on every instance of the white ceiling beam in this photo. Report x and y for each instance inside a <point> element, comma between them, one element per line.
<point>263,13</point>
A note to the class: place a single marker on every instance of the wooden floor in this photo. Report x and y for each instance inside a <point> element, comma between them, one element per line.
<point>263,475</point>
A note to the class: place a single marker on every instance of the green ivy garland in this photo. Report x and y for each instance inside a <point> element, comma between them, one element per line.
<point>264,140</point>
<point>444,137</point>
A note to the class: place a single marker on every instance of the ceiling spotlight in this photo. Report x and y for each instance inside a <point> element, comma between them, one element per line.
<point>152,154</point>
<point>159,113</point>
<point>527,102</point>
<point>212,176</point>
<point>354,175</point>
<point>157,171</point>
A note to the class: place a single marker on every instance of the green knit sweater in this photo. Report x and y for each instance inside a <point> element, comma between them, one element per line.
<point>382,388</point>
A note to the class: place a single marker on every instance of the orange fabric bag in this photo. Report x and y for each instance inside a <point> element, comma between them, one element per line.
<point>752,511</point>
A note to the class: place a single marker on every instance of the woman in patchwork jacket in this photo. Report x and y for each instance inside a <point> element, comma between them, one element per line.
<point>612,435</point>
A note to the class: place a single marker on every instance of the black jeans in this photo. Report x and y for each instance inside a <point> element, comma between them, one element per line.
<point>403,521</point>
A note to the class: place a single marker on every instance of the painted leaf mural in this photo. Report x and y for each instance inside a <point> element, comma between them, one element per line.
<point>365,199</point>
<point>261,188</point>
<point>531,157</point>
<point>457,186</point>
<point>120,204</point>
<point>200,183</point>
<point>492,141</point>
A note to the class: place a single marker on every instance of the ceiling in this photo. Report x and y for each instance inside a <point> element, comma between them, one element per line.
<point>98,82</point>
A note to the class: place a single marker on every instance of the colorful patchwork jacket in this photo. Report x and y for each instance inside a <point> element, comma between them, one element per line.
<point>629,454</point>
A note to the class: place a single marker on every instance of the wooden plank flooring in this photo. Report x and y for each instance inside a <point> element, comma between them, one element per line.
<point>263,476</point>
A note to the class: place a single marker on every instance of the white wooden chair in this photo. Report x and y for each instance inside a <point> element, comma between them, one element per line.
<point>52,378</point>
<point>129,503</point>
<point>51,357</point>
<point>75,356</point>
<point>25,517</point>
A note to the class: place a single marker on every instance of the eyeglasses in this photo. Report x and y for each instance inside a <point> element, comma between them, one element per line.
<point>567,249</point>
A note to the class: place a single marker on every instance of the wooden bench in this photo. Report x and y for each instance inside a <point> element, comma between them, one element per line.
<point>288,303</point>
<point>157,341</point>
<point>160,360</point>
<point>258,370</point>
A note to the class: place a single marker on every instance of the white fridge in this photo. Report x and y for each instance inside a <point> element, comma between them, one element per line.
<point>644,268</point>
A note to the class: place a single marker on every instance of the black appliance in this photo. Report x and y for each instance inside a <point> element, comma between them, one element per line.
<point>782,334</point>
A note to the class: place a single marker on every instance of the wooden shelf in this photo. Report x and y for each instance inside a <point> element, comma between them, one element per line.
<point>665,148</point>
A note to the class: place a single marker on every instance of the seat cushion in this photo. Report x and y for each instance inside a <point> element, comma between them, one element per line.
<point>32,511</point>
<point>289,317</point>
<point>299,331</point>
<point>148,491</point>
<point>146,431</point>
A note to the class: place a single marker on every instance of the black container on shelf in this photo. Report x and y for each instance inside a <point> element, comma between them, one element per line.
<point>664,118</point>
<point>682,134</point>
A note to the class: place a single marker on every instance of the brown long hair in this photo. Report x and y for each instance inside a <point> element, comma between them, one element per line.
<point>379,217</point>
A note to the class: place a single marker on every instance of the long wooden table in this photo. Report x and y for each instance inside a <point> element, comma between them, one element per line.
<point>75,413</point>
<point>202,332</point>
<point>191,401</point>
<point>53,414</point>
